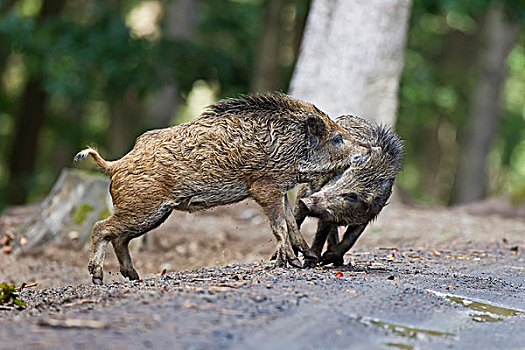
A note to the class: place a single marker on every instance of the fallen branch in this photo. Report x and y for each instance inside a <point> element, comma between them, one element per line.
<point>72,323</point>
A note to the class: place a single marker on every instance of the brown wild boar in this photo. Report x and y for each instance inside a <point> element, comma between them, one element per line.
<point>256,146</point>
<point>355,197</point>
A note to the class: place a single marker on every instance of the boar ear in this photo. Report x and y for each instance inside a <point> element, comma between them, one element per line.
<point>316,126</point>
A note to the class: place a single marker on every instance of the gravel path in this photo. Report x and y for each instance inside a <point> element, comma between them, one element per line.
<point>389,298</point>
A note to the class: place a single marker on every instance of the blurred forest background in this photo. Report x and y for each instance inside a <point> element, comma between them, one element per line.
<point>79,72</point>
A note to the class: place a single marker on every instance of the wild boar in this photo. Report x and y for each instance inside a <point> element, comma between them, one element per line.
<point>355,197</point>
<point>255,146</point>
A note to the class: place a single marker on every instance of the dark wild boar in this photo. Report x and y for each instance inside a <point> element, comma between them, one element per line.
<point>354,198</point>
<point>256,146</point>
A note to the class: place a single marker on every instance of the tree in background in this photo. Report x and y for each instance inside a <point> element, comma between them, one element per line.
<point>352,56</point>
<point>499,35</point>
<point>99,78</point>
<point>29,122</point>
<point>103,81</point>
<point>278,44</point>
<point>446,52</point>
<point>179,23</point>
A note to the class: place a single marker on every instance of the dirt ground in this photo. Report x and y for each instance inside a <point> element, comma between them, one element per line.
<point>415,272</point>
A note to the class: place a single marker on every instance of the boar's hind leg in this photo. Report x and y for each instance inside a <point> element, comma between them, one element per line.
<point>103,232</point>
<point>147,223</point>
<point>120,229</point>
<point>120,245</point>
<point>272,203</point>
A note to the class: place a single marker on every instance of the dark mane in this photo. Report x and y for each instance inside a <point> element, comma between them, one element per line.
<point>390,143</point>
<point>257,103</point>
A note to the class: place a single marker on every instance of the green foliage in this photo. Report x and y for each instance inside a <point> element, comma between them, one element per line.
<point>88,59</point>
<point>437,84</point>
<point>81,212</point>
<point>9,296</point>
<point>104,214</point>
<point>517,197</point>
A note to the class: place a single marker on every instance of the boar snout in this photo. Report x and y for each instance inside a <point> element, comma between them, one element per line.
<point>307,202</point>
<point>316,206</point>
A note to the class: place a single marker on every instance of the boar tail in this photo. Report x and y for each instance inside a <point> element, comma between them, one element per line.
<point>98,159</point>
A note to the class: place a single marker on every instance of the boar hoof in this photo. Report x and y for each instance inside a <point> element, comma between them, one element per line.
<point>96,274</point>
<point>295,262</point>
<point>131,274</point>
<point>310,255</point>
<point>333,258</point>
<point>280,262</point>
<point>274,256</point>
<point>310,262</point>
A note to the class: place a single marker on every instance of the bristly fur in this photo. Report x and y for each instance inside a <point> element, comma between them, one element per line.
<point>391,145</point>
<point>269,102</point>
<point>254,147</point>
<point>358,195</point>
<point>375,179</point>
<point>107,166</point>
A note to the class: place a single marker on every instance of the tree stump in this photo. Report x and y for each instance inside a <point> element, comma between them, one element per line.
<point>78,199</point>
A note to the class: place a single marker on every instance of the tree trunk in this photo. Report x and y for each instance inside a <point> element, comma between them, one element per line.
<point>352,56</point>
<point>180,23</point>
<point>266,75</point>
<point>5,6</point>
<point>126,113</point>
<point>75,203</point>
<point>500,37</point>
<point>29,122</point>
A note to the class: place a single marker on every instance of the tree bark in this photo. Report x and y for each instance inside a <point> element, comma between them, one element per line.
<point>266,74</point>
<point>29,122</point>
<point>500,37</point>
<point>352,56</point>
<point>126,114</point>
<point>5,6</point>
<point>75,203</point>
<point>180,23</point>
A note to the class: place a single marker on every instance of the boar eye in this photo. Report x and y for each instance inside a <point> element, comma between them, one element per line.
<point>337,140</point>
<point>350,197</point>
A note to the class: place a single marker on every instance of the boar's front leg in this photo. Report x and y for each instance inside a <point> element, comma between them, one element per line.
<point>335,254</point>
<point>272,202</point>
<point>296,238</point>
<point>324,230</point>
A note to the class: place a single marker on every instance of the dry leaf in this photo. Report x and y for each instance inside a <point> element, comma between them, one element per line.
<point>162,273</point>
<point>7,249</point>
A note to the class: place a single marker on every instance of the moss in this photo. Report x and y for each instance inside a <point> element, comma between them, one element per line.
<point>81,212</point>
<point>517,197</point>
<point>103,214</point>
<point>9,296</point>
